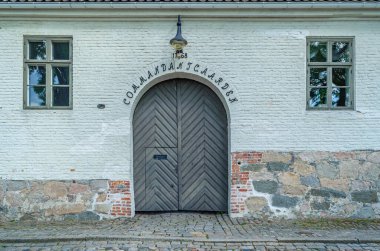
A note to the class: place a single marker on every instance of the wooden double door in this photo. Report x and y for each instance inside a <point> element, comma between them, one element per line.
<point>180,143</point>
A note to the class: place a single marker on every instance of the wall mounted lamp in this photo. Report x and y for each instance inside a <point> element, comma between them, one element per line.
<point>178,42</point>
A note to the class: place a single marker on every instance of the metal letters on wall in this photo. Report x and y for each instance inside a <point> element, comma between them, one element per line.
<point>181,66</point>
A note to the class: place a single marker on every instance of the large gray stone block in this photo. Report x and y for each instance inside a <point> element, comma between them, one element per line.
<point>16,185</point>
<point>284,201</point>
<point>103,208</point>
<point>2,190</point>
<point>327,192</point>
<point>325,205</point>
<point>252,167</point>
<point>327,169</point>
<point>265,186</point>
<point>365,196</point>
<point>97,185</point>
<point>349,169</point>
<point>310,181</point>
<point>256,204</point>
<point>270,156</point>
<point>374,157</point>
<point>277,166</point>
<point>365,212</point>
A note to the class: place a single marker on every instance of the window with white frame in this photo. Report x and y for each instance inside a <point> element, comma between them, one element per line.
<point>47,72</point>
<point>329,73</point>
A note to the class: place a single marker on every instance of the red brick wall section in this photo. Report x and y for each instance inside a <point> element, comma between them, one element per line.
<point>120,196</point>
<point>240,188</point>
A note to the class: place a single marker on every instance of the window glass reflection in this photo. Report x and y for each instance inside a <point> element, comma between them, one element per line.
<point>61,96</point>
<point>36,96</point>
<point>60,75</point>
<point>61,50</point>
<point>340,52</point>
<point>340,76</point>
<point>37,50</point>
<point>340,97</point>
<point>318,97</point>
<point>37,75</point>
<point>318,76</point>
<point>318,51</point>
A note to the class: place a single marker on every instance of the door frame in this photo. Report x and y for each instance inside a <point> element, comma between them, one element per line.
<point>200,80</point>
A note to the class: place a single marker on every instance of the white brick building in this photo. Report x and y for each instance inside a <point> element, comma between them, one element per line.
<point>284,155</point>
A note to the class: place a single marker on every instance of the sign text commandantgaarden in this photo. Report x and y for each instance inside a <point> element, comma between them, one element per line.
<point>190,67</point>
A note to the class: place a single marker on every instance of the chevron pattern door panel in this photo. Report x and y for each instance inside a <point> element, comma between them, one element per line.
<point>180,149</point>
<point>203,154</point>
<point>154,125</point>
<point>161,179</point>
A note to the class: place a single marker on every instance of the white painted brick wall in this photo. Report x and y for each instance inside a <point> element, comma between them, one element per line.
<point>265,61</point>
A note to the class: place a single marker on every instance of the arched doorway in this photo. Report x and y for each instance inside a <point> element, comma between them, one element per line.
<point>180,142</point>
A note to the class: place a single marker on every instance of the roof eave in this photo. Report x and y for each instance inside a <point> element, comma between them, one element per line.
<point>328,10</point>
<point>191,5</point>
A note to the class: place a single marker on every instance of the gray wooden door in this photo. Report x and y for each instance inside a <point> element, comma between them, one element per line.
<point>180,149</point>
<point>161,179</point>
<point>203,150</point>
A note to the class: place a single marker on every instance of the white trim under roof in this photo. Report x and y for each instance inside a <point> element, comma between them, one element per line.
<point>136,10</point>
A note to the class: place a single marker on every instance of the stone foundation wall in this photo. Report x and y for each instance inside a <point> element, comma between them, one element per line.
<point>60,200</point>
<point>263,185</point>
<point>306,184</point>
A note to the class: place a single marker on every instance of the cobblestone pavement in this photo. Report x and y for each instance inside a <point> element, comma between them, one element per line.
<point>177,245</point>
<point>191,231</point>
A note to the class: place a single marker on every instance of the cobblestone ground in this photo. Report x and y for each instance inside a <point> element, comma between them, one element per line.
<point>191,231</point>
<point>177,245</point>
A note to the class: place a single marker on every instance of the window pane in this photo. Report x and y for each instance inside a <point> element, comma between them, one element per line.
<point>318,76</point>
<point>341,52</point>
<point>61,96</point>
<point>318,51</point>
<point>60,76</point>
<point>37,75</point>
<point>36,96</point>
<point>37,50</point>
<point>318,97</point>
<point>61,50</point>
<point>340,76</point>
<point>340,97</point>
